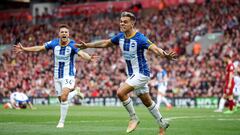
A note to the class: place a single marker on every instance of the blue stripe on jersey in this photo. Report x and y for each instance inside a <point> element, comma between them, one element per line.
<point>62,50</point>
<point>71,65</point>
<point>126,45</point>
<point>129,66</point>
<point>61,69</point>
<point>142,63</point>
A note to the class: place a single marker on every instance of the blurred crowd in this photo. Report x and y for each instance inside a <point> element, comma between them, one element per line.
<point>172,29</point>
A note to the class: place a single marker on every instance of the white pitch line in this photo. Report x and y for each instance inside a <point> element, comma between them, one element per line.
<point>228,119</point>
<point>192,117</point>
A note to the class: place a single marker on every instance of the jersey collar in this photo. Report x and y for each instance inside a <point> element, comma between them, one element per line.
<point>133,34</point>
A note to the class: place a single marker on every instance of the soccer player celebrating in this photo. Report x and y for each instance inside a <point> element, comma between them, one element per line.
<point>133,45</point>
<point>228,89</point>
<point>64,66</point>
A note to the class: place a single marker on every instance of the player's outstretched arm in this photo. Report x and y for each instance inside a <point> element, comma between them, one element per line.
<point>162,53</point>
<point>97,44</point>
<point>87,57</point>
<point>19,48</point>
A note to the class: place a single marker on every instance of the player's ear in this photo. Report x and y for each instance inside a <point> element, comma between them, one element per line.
<point>133,23</point>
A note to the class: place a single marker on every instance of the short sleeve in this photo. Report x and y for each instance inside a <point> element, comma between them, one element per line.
<point>75,50</point>
<point>115,39</point>
<point>145,42</point>
<point>49,45</point>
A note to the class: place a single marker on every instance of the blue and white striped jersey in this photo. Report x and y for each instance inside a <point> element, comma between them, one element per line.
<point>64,58</point>
<point>160,77</point>
<point>133,50</point>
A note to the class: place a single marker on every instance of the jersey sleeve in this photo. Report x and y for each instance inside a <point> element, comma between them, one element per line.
<point>74,49</point>
<point>115,39</point>
<point>145,42</point>
<point>49,45</point>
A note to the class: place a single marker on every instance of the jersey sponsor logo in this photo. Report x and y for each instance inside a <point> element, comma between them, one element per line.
<point>62,57</point>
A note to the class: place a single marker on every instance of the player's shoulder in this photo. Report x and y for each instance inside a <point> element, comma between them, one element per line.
<point>120,34</point>
<point>54,41</point>
<point>140,35</point>
<point>72,43</point>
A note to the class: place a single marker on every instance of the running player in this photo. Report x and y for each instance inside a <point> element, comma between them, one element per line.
<point>64,66</point>
<point>133,45</point>
<point>162,81</point>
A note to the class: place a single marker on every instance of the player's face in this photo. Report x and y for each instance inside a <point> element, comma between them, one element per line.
<point>64,34</point>
<point>126,24</point>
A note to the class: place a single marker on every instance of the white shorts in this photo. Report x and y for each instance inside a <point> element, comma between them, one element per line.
<point>162,88</point>
<point>139,82</point>
<point>67,82</point>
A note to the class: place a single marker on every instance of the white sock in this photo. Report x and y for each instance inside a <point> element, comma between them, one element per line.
<point>128,104</point>
<point>64,110</point>
<point>71,95</point>
<point>153,109</point>
<point>165,101</point>
<point>221,104</point>
<point>159,100</point>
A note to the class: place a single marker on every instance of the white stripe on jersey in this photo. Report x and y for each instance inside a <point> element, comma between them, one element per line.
<point>63,63</point>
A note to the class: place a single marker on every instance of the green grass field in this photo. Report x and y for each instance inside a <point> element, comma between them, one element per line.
<point>113,121</point>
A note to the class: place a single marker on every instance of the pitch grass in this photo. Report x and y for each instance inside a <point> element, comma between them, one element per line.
<point>113,121</point>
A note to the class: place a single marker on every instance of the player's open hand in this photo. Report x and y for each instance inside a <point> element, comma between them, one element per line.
<point>18,48</point>
<point>170,56</point>
<point>81,45</point>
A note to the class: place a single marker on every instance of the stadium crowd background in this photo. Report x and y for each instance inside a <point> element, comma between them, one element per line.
<point>172,28</point>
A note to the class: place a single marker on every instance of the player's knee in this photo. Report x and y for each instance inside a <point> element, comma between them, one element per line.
<point>64,98</point>
<point>120,94</point>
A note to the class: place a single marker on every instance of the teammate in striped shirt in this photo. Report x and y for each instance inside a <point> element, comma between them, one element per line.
<point>162,81</point>
<point>64,66</point>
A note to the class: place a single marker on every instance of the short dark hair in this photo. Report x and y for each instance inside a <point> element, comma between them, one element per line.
<point>128,14</point>
<point>63,26</point>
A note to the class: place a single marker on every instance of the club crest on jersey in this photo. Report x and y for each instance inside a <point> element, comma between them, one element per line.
<point>133,44</point>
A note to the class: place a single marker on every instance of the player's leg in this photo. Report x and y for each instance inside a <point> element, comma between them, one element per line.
<point>63,107</point>
<point>67,84</point>
<point>122,94</point>
<point>164,99</point>
<point>58,88</point>
<point>159,97</point>
<point>153,109</point>
<point>231,105</point>
<point>75,92</point>
<point>221,103</point>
